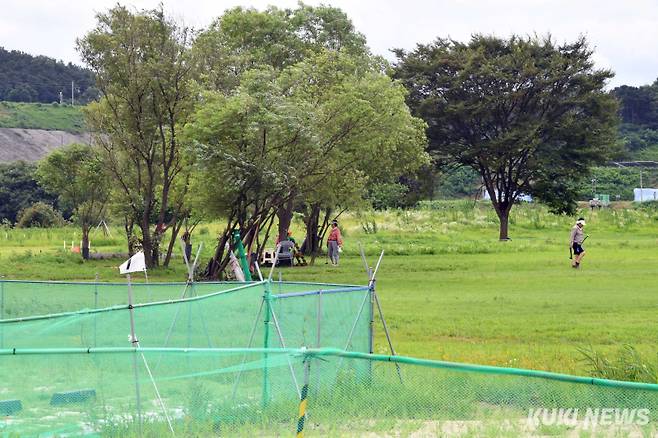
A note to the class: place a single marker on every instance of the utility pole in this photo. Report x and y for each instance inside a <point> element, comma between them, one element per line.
<point>593,188</point>
<point>72,98</point>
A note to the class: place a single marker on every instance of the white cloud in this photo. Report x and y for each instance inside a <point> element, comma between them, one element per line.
<point>624,34</point>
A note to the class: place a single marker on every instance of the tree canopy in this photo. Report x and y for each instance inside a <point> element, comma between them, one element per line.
<point>144,71</point>
<point>529,115</point>
<point>312,134</point>
<point>77,175</point>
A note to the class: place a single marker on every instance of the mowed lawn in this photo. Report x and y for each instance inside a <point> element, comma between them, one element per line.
<point>451,291</point>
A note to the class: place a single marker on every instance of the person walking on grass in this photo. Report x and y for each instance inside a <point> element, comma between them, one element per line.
<point>576,242</point>
<point>334,243</point>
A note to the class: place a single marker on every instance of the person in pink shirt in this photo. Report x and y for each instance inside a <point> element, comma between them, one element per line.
<point>334,242</point>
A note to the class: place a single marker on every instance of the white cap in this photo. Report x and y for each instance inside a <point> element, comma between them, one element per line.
<point>581,222</point>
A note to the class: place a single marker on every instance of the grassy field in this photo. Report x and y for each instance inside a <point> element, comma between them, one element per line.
<point>41,116</point>
<point>449,289</point>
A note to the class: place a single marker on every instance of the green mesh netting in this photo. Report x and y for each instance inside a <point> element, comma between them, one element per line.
<point>28,298</point>
<point>225,360</point>
<point>233,315</point>
<point>251,392</point>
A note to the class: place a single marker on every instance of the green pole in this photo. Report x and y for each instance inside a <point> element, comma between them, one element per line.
<point>267,297</point>
<point>2,312</point>
<point>95,307</point>
<point>237,242</point>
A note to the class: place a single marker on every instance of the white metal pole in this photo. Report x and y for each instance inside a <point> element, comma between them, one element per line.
<point>190,274</point>
<point>283,345</point>
<point>260,274</point>
<point>276,259</point>
<point>133,342</point>
<point>148,287</point>
<point>388,336</point>
<point>251,340</point>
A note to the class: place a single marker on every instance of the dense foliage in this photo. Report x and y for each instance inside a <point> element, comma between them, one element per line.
<point>76,173</point>
<point>19,190</point>
<point>639,120</point>
<point>40,215</point>
<point>144,70</point>
<point>301,119</point>
<point>529,115</point>
<point>27,78</point>
<point>273,114</point>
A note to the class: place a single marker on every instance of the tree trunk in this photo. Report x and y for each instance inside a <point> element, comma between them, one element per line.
<point>129,226</point>
<point>311,244</point>
<point>85,242</point>
<point>175,228</point>
<point>284,214</point>
<point>218,262</point>
<point>147,245</point>
<point>503,217</point>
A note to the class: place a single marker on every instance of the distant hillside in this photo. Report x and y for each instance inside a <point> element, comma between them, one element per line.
<point>41,116</point>
<point>29,131</point>
<point>27,78</point>
<point>33,144</point>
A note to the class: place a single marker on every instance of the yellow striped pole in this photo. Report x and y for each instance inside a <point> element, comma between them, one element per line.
<point>303,402</point>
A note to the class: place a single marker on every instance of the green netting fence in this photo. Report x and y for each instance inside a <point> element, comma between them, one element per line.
<point>260,314</point>
<point>234,359</point>
<point>251,392</point>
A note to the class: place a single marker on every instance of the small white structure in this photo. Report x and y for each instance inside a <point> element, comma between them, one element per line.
<point>645,195</point>
<point>522,197</point>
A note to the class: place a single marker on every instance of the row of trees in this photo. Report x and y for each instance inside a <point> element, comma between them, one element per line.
<point>270,113</point>
<point>262,115</point>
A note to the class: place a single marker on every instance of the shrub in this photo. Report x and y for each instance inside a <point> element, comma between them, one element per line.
<point>384,196</point>
<point>627,365</point>
<point>39,215</point>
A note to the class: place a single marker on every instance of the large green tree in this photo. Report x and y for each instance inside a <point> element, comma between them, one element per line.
<point>144,70</point>
<point>246,38</point>
<point>324,67</point>
<point>361,115</point>
<point>76,173</point>
<point>529,115</point>
<point>310,136</point>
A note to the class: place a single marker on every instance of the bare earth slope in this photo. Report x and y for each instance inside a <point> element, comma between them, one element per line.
<point>33,144</point>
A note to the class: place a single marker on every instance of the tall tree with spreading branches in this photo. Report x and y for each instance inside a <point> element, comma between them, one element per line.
<point>529,115</point>
<point>144,70</point>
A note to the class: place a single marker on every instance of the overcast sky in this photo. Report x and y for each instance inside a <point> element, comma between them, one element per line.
<point>624,34</point>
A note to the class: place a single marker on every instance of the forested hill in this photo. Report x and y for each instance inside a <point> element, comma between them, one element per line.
<point>27,78</point>
<point>639,120</point>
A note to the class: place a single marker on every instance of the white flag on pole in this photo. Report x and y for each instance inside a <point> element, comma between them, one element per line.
<point>135,263</point>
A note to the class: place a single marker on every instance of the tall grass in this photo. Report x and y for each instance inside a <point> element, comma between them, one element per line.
<point>624,364</point>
